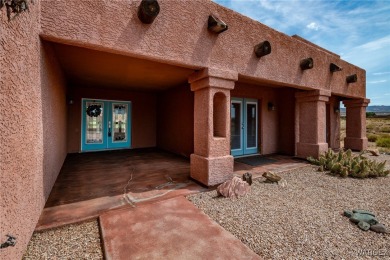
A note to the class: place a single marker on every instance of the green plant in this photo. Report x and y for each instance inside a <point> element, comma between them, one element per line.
<point>385,129</point>
<point>383,141</point>
<point>370,114</point>
<point>345,163</point>
<point>372,137</point>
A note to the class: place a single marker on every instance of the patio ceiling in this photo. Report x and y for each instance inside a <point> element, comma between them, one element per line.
<point>86,67</point>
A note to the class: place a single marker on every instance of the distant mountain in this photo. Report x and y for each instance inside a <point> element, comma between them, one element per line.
<point>377,109</point>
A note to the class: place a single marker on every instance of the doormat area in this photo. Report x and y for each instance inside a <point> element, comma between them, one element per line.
<point>255,160</point>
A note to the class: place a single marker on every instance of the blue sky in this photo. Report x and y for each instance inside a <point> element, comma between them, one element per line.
<point>359,31</point>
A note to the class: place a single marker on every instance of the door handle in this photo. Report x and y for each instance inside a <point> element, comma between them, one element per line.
<point>242,126</point>
<point>109,129</point>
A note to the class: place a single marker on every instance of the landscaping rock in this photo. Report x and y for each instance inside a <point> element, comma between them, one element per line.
<point>379,228</point>
<point>348,213</point>
<point>364,225</point>
<point>247,177</point>
<point>374,152</point>
<point>271,177</point>
<point>233,188</point>
<point>358,217</point>
<point>362,211</point>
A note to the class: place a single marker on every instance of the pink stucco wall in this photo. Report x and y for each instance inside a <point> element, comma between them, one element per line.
<point>54,117</point>
<point>32,127</point>
<point>143,117</point>
<point>175,120</point>
<point>179,36</point>
<point>21,139</point>
<point>268,120</point>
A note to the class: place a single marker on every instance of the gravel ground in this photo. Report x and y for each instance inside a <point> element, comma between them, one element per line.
<point>78,241</point>
<point>304,219</point>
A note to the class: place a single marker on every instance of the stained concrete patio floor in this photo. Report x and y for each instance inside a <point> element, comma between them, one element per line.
<point>84,189</point>
<point>169,229</point>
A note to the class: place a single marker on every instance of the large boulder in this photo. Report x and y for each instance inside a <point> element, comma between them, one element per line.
<point>233,188</point>
<point>271,177</point>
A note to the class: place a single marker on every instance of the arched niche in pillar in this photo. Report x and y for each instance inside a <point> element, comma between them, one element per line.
<point>219,114</point>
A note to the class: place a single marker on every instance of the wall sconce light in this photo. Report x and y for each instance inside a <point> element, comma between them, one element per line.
<point>333,68</point>
<point>148,11</point>
<point>216,25</point>
<point>263,49</point>
<point>307,64</point>
<point>271,106</point>
<point>69,100</point>
<point>352,78</point>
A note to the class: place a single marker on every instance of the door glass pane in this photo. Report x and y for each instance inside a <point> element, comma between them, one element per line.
<point>119,122</point>
<point>251,120</point>
<point>94,122</point>
<point>235,125</point>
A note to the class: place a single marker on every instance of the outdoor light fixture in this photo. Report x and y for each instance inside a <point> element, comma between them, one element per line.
<point>148,11</point>
<point>307,64</point>
<point>216,25</point>
<point>271,106</point>
<point>263,49</point>
<point>352,78</point>
<point>333,68</point>
<point>337,110</point>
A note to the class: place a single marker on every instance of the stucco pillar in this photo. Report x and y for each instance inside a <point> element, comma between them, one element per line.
<point>334,122</point>
<point>311,108</point>
<point>211,162</point>
<point>356,124</point>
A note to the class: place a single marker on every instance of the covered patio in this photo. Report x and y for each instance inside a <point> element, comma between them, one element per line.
<point>90,184</point>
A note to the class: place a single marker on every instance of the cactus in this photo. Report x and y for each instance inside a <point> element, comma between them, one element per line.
<point>344,172</point>
<point>345,163</point>
<point>313,160</point>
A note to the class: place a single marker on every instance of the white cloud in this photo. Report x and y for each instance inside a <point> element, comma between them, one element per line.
<point>381,73</point>
<point>377,81</point>
<point>313,26</point>
<point>377,44</point>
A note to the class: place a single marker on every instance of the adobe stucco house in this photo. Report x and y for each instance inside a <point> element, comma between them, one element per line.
<point>86,75</point>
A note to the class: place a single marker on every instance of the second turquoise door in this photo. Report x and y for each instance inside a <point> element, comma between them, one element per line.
<point>106,125</point>
<point>244,126</point>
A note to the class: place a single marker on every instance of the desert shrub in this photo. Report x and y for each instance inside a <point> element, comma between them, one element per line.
<point>346,164</point>
<point>372,137</point>
<point>385,129</point>
<point>370,126</point>
<point>383,141</point>
<point>370,114</point>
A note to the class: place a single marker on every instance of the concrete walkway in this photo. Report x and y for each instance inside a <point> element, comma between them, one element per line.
<point>169,229</point>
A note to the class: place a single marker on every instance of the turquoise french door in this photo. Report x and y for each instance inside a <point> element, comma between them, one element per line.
<point>244,126</point>
<point>106,125</point>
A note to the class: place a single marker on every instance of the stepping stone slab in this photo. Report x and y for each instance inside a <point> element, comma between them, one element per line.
<point>379,228</point>
<point>357,217</point>
<point>169,229</point>
<point>364,225</point>
<point>362,211</point>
